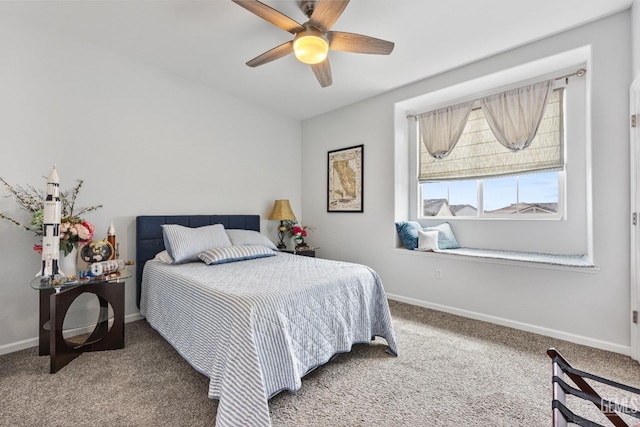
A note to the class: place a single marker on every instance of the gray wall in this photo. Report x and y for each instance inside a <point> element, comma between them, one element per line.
<point>587,308</point>
<point>144,141</point>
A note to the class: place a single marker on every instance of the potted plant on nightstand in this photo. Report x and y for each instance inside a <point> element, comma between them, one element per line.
<point>297,232</point>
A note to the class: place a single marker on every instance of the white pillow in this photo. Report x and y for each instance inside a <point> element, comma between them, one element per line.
<point>446,238</point>
<point>249,237</point>
<point>185,243</point>
<point>427,240</point>
<point>164,257</point>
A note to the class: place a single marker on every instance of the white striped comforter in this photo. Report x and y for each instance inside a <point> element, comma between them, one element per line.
<point>255,327</point>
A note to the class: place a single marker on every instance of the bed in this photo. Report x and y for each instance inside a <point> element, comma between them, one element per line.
<point>254,326</point>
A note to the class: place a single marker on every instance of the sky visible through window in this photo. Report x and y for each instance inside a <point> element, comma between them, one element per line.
<point>498,192</point>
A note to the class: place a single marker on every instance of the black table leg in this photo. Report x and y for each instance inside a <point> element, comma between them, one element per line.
<point>102,338</point>
<point>44,347</point>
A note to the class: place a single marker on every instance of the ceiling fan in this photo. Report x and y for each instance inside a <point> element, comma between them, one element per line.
<point>313,40</point>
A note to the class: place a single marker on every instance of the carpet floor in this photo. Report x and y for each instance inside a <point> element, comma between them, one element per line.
<point>451,371</point>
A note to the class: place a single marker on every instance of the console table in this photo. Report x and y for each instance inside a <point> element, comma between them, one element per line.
<point>56,296</point>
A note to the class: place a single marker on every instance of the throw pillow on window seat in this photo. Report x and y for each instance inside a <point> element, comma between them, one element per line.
<point>446,238</point>
<point>408,233</point>
<point>427,240</point>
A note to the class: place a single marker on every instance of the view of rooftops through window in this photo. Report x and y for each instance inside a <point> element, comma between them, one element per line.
<point>534,193</point>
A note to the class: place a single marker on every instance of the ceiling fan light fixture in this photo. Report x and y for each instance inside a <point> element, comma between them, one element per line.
<point>311,46</point>
<point>314,38</point>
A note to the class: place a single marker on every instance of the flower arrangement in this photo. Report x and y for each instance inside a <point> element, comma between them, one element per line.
<point>296,231</point>
<point>74,230</point>
<point>299,233</point>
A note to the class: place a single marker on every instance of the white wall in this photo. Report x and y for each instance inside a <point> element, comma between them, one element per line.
<point>635,34</point>
<point>587,308</point>
<point>144,141</point>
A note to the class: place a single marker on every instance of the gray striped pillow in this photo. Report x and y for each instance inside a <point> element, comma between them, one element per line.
<point>249,237</point>
<point>185,243</point>
<point>234,253</point>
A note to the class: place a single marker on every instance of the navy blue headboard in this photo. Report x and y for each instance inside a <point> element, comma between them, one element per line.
<point>149,239</point>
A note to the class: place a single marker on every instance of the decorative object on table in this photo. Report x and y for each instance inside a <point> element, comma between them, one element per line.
<point>111,238</point>
<point>109,267</point>
<point>51,226</point>
<point>73,231</point>
<point>96,251</point>
<point>297,232</point>
<point>345,179</point>
<point>282,212</point>
<point>68,264</point>
<point>299,239</point>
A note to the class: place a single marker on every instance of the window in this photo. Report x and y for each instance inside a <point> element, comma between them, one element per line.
<point>569,231</point>
<point>532,194</point>
<point>479,177</point>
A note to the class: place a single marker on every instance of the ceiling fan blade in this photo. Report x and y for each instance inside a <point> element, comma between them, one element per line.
<point>323,73</point>
<point>326,13</point>
<point>271,15</point>
<point>271,55</point>
<point>357,43</point>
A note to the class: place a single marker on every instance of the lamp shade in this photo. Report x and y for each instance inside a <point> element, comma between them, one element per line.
<point>282,211</point>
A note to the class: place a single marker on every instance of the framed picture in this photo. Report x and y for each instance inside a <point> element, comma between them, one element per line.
<point>344,180</point>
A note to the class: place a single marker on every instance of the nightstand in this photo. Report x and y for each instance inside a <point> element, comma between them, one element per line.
<point>310,252</point>
<point>55,299</point>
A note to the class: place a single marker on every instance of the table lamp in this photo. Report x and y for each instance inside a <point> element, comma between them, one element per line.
<point>282,212</point>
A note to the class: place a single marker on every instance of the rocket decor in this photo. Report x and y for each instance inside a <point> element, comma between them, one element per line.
<point>51,226</point>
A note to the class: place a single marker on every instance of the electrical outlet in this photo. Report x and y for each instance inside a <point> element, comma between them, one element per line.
<point>438,273</point>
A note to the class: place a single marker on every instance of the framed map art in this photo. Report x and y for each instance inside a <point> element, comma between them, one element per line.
<point>344,180</point>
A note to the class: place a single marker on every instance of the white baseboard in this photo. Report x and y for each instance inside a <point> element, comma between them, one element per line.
<point>33,342</point>
<point>17,346</point>
<point>577,339</point>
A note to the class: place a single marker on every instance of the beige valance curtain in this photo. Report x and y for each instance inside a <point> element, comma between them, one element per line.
<point>515,115</point>
<point>440,130</point>
<point>479,153</point>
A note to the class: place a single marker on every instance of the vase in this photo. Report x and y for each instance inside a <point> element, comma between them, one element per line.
<point>68,264</point>
<point>299,242</point>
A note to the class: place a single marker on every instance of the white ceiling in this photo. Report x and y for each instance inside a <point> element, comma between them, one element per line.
<point>210,41</point>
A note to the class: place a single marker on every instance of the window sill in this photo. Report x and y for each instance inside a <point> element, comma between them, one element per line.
<point>524,259</point>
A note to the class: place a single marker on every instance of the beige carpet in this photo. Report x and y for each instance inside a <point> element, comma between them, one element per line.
<point>450,371</point>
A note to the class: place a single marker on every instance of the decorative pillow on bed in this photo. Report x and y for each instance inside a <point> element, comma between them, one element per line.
<point>446,239</point>
<point>408,232</point>
<point>164,257</point>
<point>249,237</point>
<point>234,253</point>
<point>185,243</point>
<point>427,240</point>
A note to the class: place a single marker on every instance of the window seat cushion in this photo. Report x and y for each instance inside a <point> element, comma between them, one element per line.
<point>578,260</point>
